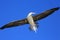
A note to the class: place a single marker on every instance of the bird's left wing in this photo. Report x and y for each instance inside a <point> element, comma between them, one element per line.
<point>15,23</point>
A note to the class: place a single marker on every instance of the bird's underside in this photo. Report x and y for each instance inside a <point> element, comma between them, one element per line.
<point>35,18</point>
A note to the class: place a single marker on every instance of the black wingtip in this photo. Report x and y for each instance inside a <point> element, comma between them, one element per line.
<point>56,8</point>
<point>2,28</point>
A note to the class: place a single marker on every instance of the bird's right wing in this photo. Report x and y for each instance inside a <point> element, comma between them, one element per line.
<point>45,14</point>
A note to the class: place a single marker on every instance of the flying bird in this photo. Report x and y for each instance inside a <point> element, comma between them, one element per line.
<point>30,19</point>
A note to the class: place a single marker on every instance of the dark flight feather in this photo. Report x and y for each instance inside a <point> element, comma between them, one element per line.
<point>36,18</point>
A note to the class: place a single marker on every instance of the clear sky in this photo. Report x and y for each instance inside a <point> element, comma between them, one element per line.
<point>12,10</point>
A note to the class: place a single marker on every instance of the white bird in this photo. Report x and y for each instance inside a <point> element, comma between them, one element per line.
<point>30,19</point>
<point>31,22</point>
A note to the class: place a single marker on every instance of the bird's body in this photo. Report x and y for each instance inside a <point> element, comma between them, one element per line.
<point>31,22</point>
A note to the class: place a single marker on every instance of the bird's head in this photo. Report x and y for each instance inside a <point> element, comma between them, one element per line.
<point>31,13</point>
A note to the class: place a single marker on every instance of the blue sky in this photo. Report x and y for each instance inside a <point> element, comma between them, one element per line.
<point>12,10</point>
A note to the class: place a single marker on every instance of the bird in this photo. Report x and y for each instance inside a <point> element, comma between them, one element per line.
<point>35,18</point>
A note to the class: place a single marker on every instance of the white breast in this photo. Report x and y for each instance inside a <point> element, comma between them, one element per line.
<point>31,21</point>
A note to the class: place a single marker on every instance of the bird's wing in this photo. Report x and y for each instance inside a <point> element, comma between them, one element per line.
<point>24,21</point>
<point>45,14</point>
<point>15,23</point>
